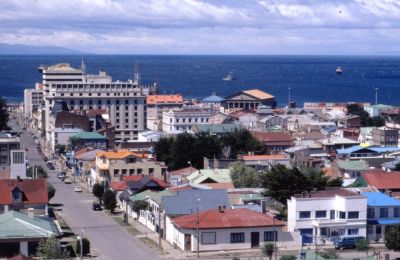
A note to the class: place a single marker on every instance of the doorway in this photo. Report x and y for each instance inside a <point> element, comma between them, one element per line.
<point>255,239</point>
<point>188,242</point>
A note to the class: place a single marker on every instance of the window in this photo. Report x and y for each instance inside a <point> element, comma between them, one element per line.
<point>332,213</point>
<point>269,236</point>
<point>324,231</point>
<point>305,214</point>
<point>131,171</point>
<point>139,171</point>
<point>117,102</point>
<point>123,171</point>
<point>116,172</point>
<point>370,230</point>
<point>320,214</point>
<point>352,215</point>
<point>371,213</point>
<point>342,214</point>
<point>237,237</point>
<point>151,171</point>
<point>396,212</point>
<point>352,231</point>
<point>384,212</point>
<point>208,238</point>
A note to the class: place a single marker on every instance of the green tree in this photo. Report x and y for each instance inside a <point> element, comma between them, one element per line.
<point>392,239</point>
<point>41,173</point>
<point>205,145</point>
<point>329,254</point>
<point>4,116</point>
<point>281,183</point>
<point>98,191</point>
<point>288,257</point>
<point>51,191</point>
<point>85,245</point>
<point>110,200</point>
<point>363,246</point>
<point>73,142</point>
<point>183,151</point>
<point>162,149</point>
<point>50,249</point>
<point>243,176</point>
<point>60,148</point>
<point>241,141</point>
<point>268,250</point>
<point>397,167</point>
<point>139,205</point>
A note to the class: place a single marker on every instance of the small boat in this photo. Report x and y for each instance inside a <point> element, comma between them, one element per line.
<point>229,77</point>
<point>339,70</point>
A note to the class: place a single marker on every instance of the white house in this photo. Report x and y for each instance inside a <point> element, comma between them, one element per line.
<point>223,229</point>
<point>327,214</point>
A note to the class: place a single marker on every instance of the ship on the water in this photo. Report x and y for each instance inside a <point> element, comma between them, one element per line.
<point>229,77</point>
<point>339,70</point>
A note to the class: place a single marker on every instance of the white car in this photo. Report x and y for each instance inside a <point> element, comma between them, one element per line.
<point>78,189</point>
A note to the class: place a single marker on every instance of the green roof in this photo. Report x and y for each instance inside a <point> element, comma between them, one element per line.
<point>89,136</point>
<point>216,128</point>
<point>359,182</point>
<point>216,175</point>
<point>17,225</point>
<point>357,165</point>
<point>154,195</point>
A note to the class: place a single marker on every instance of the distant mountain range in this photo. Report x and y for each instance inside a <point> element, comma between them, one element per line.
<point>20,49</point>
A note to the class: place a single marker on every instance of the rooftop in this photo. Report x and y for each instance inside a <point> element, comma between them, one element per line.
<point>210,175</point>
<point>379,199</point>
<point>213,99</point>
<point>227,218</point>
<point>34,191</point>
<point>331,192</point>
<point>258,94</point>
<point>265,157</point>
<point>215,128</point>
<point>154,195</point>
<point>353,165</point>
<point>89,136</point>
<point>119,154</point>
<point>164,99</point>
<point>382,180</point>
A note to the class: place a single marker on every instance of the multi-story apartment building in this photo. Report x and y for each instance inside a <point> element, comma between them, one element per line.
<point>33,98</point>
<point>157,104</point>
<point>113,165</point>
<point>328,214</point>
<point>385,137</point>
<point>124,101</point>
<point>183,119</point>
<point>7,143</point>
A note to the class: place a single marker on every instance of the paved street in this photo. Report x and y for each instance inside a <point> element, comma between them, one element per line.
<point>108,239</point>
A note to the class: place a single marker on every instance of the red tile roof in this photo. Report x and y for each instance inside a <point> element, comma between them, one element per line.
<point>273,137</point>
<point>164,99</point>
<point>184,171</point>
<point>382,180</point>
<point>264,157</point>
<point>118,186</point>
<point>35,191</point>
<point>220,186</point>
<point>229,218</point>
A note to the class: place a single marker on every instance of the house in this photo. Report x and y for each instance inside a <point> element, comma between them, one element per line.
<point>113,165</point>
<point>336,142</point>
<point>365,137</point>
<point>274,141</point>
<point>352,168</point>
<point>178,177</point>
<point>265,162</point>
<point>383,212</point>
<point>385,137</point>
<point>246,118</point>
<point>24,194</point>
<point>210,176</point>
<point>327,214</point>
<point>391,165</point>
<point>157,104</point>
<point>271,121</point>
<point>85,164</point>
<point>181,120</point>
<point>375,110</point>
<point>223,229</point>
<point>90,139</point>
<point>350,121</point>
<point>357,152</point>
<point>21,233</point>
<point>249,99</point>
<point>381,180</point>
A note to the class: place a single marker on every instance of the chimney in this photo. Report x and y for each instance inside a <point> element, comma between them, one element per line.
<point>220,209</point>
<point>31,212</point>
<point>19,179</point>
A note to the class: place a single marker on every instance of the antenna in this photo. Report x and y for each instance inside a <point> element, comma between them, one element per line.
<point>289,88</point>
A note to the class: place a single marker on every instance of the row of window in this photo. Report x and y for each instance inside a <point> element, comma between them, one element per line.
<point>332,214</point>
<point>383,212</point>
<point>189,120</point>
<point>99,102</point>
<point>62,86</point>
<point>210,238</point>
<point>132,171</point>
<point>98,94</point>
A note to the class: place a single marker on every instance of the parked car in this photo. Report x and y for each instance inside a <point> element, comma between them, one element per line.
<point>61,175</point>
<point>347,242</point>
<point>67,180</point>
<point>96,206</point>
<point>78,189</point>
<point>50,165</point>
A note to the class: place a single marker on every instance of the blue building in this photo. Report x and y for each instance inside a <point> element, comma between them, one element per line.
<point>383,212</point>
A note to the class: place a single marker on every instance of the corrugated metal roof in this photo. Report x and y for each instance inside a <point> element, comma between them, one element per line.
<point>353,165</point>
<point>217,175</point>
<point>378,199</point>
<point>89,136</point>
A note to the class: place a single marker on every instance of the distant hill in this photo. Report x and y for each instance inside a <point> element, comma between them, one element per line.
<point>20,49</point>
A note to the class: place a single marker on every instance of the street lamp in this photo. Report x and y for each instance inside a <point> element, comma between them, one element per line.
<point>198,231</point>
<point>80,238</point>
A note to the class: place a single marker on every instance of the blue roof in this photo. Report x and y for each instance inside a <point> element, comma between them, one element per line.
<point>378,199</point>
<point>384,222</point>
<point>371,148</point>
<point>213,99</point>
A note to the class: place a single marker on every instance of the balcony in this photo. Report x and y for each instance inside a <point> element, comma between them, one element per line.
<point>337,222</point>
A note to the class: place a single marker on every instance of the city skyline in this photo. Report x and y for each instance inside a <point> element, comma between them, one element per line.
<point>205,27</point>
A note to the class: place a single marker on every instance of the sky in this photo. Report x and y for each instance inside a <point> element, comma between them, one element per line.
<point>243,27</point>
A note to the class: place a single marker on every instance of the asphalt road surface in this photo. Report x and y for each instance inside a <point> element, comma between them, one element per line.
<point>108,239</point>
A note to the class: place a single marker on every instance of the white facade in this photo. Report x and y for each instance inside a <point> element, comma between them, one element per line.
<point>62,135</point>
<point>33,98</point>
<point>124,101</point>
<point>327,218</point>
<point>183,120</point>
<point>18,164</point>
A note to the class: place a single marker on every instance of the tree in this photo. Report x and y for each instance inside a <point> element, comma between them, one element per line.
<point>162,149</point>
<point>243,176</point>
<point>98,191</point>
<point>33,170</point>
<point>109,200</point>
<point>73,142</point>
<point>397,167</point>
<point>268,250</point>
<point>241,141</point>
<point>288,257</point>
<point>51,191</point>
<point>393,239</point>
<point>60,148</point>
<point>329,254</point>
<point>139,205</point>
<point>4,116</point>
<point>363,246</point>
<point>85,245</point>
<point>50,249</point>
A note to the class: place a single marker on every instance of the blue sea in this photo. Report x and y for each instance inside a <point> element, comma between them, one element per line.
<point>311,78</point>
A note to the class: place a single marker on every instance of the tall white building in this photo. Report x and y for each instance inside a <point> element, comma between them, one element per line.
<point>124,101</point>
<point>183,119</point>
<point>33,98</point>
